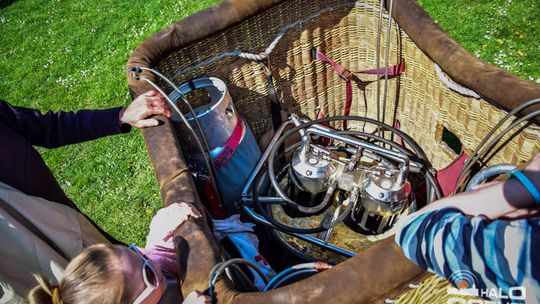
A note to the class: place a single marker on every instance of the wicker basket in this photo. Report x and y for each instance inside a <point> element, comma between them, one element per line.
<point>346,31</point>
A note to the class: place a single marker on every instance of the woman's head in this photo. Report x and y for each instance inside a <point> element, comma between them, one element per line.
<point>100,274</point>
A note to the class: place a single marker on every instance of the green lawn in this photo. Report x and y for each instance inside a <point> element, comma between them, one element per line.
<point>65,54</point>
<point>505,33</point>
<point>71,55</point>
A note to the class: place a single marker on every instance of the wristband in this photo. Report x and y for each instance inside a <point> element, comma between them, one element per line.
<point>526,182</point>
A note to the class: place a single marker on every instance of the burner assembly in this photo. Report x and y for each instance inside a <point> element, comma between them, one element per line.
<point>328,179</point>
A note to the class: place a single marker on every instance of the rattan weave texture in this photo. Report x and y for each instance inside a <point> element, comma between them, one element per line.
<point>346,31</point>
<point>348,34</point>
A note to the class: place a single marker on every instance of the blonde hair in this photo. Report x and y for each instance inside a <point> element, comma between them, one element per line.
<point>94,276</point>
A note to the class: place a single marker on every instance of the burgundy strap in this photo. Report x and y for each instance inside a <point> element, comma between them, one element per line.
<point>346,75</point>
<point>216,210</point>
<point>343,72</point>
<point>325,141</point>
<point>228,151</point>
<point>447,177</point>
<point>393,70</point>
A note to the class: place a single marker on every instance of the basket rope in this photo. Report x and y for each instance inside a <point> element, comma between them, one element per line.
<point>264,55</point>
<point>411,286</point>
<point>252,56</point>
<point>452,85</point>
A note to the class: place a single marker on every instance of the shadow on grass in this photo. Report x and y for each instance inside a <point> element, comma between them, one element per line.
<point>6,3</point>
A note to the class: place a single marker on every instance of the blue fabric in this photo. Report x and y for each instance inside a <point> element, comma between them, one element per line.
<point>498,254</point>
<point>247,244</point>
<point>234,174</point>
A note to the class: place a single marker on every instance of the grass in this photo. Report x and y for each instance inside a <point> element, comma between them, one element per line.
<point>68,55</point>
<point>501,32</point>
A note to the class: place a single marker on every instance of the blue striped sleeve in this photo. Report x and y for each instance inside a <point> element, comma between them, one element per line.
<point>499,254</point>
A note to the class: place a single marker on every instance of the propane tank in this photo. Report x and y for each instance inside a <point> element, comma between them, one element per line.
<point>233,148</point>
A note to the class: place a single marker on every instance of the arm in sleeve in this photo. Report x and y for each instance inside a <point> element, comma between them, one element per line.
<point>55,129</point>
<point>500,254</point>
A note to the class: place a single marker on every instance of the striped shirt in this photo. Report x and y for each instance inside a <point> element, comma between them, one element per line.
<point>499,258</point>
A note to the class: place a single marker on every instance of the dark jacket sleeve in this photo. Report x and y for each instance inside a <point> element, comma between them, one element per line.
<point>55,129</point>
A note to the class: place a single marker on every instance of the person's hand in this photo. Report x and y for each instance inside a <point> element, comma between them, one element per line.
<point>165,223</point>
<point>518,195</point>
<point>196,297</point>
<point>138,112</point>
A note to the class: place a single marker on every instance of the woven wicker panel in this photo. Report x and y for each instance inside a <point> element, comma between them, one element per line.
<point>345,31</point>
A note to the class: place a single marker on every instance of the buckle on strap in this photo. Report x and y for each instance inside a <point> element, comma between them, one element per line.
<point>345,75</point>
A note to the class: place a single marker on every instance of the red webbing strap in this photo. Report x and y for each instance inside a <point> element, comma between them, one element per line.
<point>216,210</point>
<point>393,70</point>
<point>223,157</point>
<point>346,75</point>
<point>231,145</point>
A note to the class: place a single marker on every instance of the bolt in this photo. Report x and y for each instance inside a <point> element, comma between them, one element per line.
<point>308,172</point>
<point>386,184</point>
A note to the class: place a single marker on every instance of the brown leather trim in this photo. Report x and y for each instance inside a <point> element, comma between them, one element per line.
<point>198,251</point>
<point>361,279</point>
<point>190,29</point>
<point>492,83</point>
<point>364,278</point>
<point>196,246</point>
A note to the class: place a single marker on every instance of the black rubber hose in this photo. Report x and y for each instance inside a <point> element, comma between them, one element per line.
<point>475,156</point>
<point>326,226</point>
<point>416,148</point>
<point>220,267</point>
<point>277,225</point>
<point>291,276</point>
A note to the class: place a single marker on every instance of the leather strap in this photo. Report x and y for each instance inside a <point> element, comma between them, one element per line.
<point>346,75</point>
<point>275,106</point>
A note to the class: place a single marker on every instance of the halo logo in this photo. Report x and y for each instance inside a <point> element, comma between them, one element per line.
<point>465,281</point>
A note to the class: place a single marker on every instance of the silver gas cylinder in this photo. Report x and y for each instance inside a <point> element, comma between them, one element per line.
<point>225,131</point>
<point>214,109</point>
